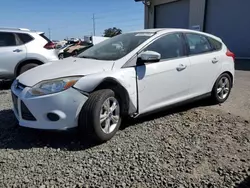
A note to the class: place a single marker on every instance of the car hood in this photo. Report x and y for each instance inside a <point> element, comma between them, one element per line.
<point>63,68</point>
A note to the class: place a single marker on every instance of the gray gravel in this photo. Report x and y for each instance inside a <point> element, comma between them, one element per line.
<point>197,147</point>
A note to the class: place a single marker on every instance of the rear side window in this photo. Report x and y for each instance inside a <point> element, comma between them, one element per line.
<point>215,44</point>
<point>46,38</point>
<point>25,38</point>
<point>7,39</point>
<point>198,44</point>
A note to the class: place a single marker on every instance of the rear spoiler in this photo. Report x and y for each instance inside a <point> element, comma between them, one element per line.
<point>40,33</point>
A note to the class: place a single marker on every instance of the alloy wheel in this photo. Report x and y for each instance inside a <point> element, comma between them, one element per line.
<point>223,88</point>
<point>109,115</point>
<point>61,56</point>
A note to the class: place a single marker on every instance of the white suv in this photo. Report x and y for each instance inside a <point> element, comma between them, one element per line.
<point>132,74</point>
<point>22,49</point>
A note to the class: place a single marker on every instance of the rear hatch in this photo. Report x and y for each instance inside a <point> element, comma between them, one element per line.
<point>49,48</point>
<point>49,45</point>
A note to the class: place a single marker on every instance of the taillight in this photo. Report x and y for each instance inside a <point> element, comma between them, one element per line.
<point>230,54</point>
<point>50,45</point>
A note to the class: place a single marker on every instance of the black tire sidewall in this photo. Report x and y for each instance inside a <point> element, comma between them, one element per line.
<point>27,67</point>
<point>93,113</point>
<point>97,128</point>
<point>61,54</point>
<point>214,93</point>
<point>75,53</point>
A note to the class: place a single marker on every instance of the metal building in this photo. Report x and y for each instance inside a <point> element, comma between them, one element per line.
<point>227,19</point>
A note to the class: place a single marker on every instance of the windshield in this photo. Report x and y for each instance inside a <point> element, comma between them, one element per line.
<point>116,47</point>
<point>65,46</point>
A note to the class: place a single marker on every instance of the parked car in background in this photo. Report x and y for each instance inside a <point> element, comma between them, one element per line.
<point>60,51</point>
<point>55,41</point>
<point>131,74</point>
<point>22,49</point>
<point>60,44</point>
<point>76,49</point>
<point>74,40</point>
<point>95,39</point>
<point>81,46</point>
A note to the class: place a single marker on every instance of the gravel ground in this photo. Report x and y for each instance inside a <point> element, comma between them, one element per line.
<point>189,147</point>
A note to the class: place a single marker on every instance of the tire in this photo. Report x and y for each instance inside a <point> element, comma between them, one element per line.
<point>60,56</point>
<point>90,116</point>
<point>222,96</point>
<point>75,53</point>
<point>27,67</point>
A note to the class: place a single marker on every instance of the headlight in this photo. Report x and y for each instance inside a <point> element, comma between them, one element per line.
<point>53,86</point>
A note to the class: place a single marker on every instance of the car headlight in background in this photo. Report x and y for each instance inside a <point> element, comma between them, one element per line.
<point>53,86</point>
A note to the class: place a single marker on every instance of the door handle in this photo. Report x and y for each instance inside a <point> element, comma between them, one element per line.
<point>215,60</point>
<point>17,50</point>
<point>181,67</point>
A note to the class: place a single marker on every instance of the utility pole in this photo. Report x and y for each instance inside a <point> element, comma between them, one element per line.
<point>49,33</point>
<point>94,23</point>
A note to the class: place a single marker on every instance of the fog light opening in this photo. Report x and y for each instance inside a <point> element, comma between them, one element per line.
<point>53,117</point>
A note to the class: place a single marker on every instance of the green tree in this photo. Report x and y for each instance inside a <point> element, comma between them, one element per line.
<point>111,32</point>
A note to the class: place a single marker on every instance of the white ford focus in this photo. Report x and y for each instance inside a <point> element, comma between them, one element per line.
<point>128,75</point>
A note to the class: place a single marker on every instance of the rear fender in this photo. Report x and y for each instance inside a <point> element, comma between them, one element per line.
<point>227,65</point>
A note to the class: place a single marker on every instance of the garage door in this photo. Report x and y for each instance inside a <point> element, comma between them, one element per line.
<point>230,20</point>
<point>172,15</point>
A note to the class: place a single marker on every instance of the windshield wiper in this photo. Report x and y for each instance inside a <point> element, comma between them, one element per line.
<point>87,57</point>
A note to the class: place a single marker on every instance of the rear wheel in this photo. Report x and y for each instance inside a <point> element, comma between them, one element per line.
<point>26,67</point>
<point>100,116</point>
<point>222,88</point>
<point>75,53</point>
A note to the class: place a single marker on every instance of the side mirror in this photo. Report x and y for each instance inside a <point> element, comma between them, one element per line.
<point>148,57</point>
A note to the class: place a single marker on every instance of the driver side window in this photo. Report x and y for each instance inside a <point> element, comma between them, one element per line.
<point>169,46</point>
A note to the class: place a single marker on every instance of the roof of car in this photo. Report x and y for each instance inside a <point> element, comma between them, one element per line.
<point>149,30</point>
<point>166,30</point>
<point>18,30</point>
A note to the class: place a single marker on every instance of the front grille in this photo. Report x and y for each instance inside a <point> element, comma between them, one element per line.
<point>14,100</point>
<point>20,86</point>
<point>26,114</point>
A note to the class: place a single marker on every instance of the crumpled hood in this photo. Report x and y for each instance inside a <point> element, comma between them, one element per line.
<point>63,68</point>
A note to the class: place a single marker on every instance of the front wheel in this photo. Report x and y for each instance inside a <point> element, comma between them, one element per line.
<point>100,116</point>
<point>60,56</point>
<point>222,88</point>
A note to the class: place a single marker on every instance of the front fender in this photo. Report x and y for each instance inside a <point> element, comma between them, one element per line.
<point>126,77</point>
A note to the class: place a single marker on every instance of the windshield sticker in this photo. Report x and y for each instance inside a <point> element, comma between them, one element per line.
<point>145,34</point>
